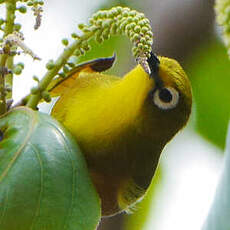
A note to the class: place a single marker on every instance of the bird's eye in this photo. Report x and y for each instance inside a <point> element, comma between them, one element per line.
<point>166,98</point>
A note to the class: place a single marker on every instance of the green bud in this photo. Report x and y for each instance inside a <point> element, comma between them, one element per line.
<point>70,64</point>
<point>99,39</point>
<point>133,13</point>
<point>61,74</point>
<point>148,55</point>
<point>22,9</point>
<point>136,37</point>
<point>21,64</point>
<point>35,78</point>
<point>119,9</point>
<point>95,16</point>
<point>65,42</point>
<point>141,15</point>
<point>106,24</point>
<point>1,21</point>
<point>149,33</point>
<point>149,43</point>
<point>17,26</point>
<point>123,26</point>
<point>77,53</point>
<point>142,40</point>
<point>65,69</point>
<point>146,48</point>
<point>144,29</point>
<point>17,70</point>
<point>113,29</point>
<point>30,3</point>
<point>103,14</point>
<point>35,90</point>
<point>86,29</point>
<point>41,3</point>
<point>81,26</point>
<point>129,20</point>
<point>132,25</point>
<point>98,36</point>
<point>50,65</point>
<point>36,2</point>
<point>85,45</point>
<point>114,11</point>
<point>91,20</point>
<point>140,46</point>
<point>46,96</point>
<point>125,13</point>
<point>74,35</point>
<point>137,29</point>
<point>128,27</point>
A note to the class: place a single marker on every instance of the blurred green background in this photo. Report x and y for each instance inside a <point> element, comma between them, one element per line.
<point>183,188</point>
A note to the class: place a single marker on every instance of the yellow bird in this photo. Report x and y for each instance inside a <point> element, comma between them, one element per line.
<point>122,124</point>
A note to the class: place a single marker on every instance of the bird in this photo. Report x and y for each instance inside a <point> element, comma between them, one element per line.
<point>122,124</point>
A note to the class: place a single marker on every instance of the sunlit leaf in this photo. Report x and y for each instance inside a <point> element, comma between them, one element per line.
<point>44,183</point>
<point>209,71</point>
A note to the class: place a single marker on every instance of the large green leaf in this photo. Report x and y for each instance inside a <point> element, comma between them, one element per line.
<point>219,214</point>
<point>44,183</point>
<point>209,71</point>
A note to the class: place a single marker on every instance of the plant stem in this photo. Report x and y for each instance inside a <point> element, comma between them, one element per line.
<point>2,84</point>
<point>60,62</point>
<point>9,28</point>
<point>5,59</point>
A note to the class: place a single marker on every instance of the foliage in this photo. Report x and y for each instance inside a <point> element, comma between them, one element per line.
<point>43,177</point>
<point>44,181</point>
<point>209,71</point>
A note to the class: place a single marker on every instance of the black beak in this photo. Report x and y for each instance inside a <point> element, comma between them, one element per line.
<point>154,64</point>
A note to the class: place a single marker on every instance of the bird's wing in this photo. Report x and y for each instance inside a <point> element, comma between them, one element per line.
<point>60,84</point>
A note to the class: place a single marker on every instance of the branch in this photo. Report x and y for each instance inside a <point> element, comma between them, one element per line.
<point>101,26</point>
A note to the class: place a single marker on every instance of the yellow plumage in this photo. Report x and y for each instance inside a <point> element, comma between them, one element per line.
<point>120,126</point>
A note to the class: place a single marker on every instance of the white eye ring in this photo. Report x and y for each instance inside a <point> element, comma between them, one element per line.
<point>166,98</point>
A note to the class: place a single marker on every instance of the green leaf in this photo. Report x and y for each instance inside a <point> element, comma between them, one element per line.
<point>44,182</point>
<point>219,214</point>
<point>209,71</point>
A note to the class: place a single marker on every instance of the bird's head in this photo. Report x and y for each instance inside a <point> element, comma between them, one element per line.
<point>165,104</point>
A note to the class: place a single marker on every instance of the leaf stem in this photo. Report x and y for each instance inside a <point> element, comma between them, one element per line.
<point>5,60</point>
<point>2,84</point>
<point>9,28</point>
<point>60,62</point>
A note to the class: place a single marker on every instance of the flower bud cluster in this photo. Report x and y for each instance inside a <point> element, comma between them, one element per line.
<point>222,9</point>
<point>124,21</point>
